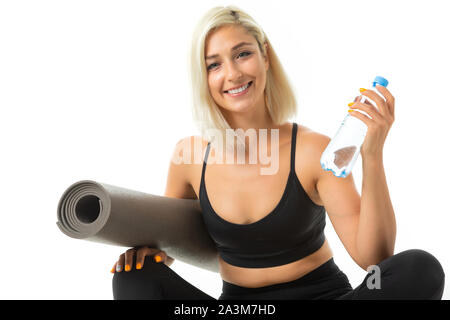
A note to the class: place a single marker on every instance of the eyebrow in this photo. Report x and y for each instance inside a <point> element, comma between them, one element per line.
<point>232,49</point>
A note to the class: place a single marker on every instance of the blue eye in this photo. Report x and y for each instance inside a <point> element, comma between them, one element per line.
<point>239,55</point>
<point>209,67</point>
<point>248,53</point>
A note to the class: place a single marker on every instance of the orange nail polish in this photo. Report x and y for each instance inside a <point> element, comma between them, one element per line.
<point>362,90</point>
<point>350,104</point>
<point>127,267</point>
<point>138,266</point>
<point>113,270</point>
<point>350,110</point>
<point>158,258</point>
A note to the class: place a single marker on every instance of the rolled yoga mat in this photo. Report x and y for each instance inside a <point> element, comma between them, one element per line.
<point>99,212</point>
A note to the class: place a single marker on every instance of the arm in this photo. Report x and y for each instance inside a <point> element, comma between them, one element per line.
<point>178,184</point>
<point>363,224</point>
<point>377,225</point>
<point>178,178</point>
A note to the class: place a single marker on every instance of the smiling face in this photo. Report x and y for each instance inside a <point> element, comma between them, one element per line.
<point>234,61</point>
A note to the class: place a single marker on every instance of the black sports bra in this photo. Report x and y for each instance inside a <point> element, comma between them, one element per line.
<point>291,231</point>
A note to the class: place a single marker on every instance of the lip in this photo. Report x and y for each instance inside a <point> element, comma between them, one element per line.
<point>237,86</point>
<point>240,93</point>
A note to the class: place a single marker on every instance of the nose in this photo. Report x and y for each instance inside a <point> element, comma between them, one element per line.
<point>233,72</point>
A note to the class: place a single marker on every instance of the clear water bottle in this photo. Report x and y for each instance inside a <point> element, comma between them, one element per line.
<point>341,153</point>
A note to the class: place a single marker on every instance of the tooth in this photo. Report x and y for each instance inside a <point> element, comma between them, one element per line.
<point>240,89</point>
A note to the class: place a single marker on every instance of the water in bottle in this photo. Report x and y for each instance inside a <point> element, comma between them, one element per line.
<point>341,153</point>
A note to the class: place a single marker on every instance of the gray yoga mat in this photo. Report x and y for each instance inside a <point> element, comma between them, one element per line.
<point>104,213</point>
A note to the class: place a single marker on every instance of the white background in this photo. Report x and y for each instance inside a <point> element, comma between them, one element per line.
<point>99,90</point>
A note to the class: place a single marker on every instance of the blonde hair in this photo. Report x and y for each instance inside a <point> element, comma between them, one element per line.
<point>280,99</point>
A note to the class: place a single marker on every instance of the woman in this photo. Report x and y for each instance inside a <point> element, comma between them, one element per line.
<point>268,228</point>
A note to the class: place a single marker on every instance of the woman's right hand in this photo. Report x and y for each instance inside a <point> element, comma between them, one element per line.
<point>125,261</point>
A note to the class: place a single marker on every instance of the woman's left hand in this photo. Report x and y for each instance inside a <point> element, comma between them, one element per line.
<point>381,122</point>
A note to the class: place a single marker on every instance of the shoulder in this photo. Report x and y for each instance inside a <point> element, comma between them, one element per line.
<point>310,138</point>
<point>188,151</point>
<point>310,145</point>
<point>311,141</point>
<point>187,154</point>
<point>191,142</point>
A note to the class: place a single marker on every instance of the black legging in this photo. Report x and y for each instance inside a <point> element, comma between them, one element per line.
<point>411,274</point>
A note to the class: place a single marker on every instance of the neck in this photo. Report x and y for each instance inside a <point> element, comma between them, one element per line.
<point>250,121</point>
<point>256,117</point>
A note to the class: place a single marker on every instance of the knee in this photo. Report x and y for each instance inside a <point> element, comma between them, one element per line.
<point>423,262</point>
<point>139,284</point>
<point>423,265</point>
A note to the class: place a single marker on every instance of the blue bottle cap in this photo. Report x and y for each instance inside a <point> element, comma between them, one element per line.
<point>381,81</point>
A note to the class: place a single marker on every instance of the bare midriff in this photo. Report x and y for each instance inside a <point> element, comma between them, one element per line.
<point>259,277</point>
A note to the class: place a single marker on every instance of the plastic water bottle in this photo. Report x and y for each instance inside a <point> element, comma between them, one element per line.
<point>341,153</point>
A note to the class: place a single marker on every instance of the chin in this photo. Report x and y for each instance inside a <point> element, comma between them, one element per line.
<point>239,108</point>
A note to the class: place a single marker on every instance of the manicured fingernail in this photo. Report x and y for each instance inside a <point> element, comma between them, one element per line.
<point>127,267</point>
<point>118,268</point>
<point>138,266</point>
<point>158,258</point>
<point>350,110</point>
<point>362,89</point>
<point>113,270</point>
<point>350,104</point>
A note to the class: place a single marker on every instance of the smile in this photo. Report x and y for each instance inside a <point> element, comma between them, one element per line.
<point>240,91</point>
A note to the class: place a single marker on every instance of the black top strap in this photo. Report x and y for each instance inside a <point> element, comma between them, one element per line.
<point>293,144</point>
<point>205,159</point>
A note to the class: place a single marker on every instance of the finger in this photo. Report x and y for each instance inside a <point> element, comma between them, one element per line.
<point>120,262</point>
<point>370,110</point>
<point>142,253</point>
<point>160,257</point>
<point>379,101</point>
<point>129,259</point>
<point>358,99</point>
<point>390,100</point>
<point>362,117</point>
<point>163,257</point>
<point>114,268</point>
